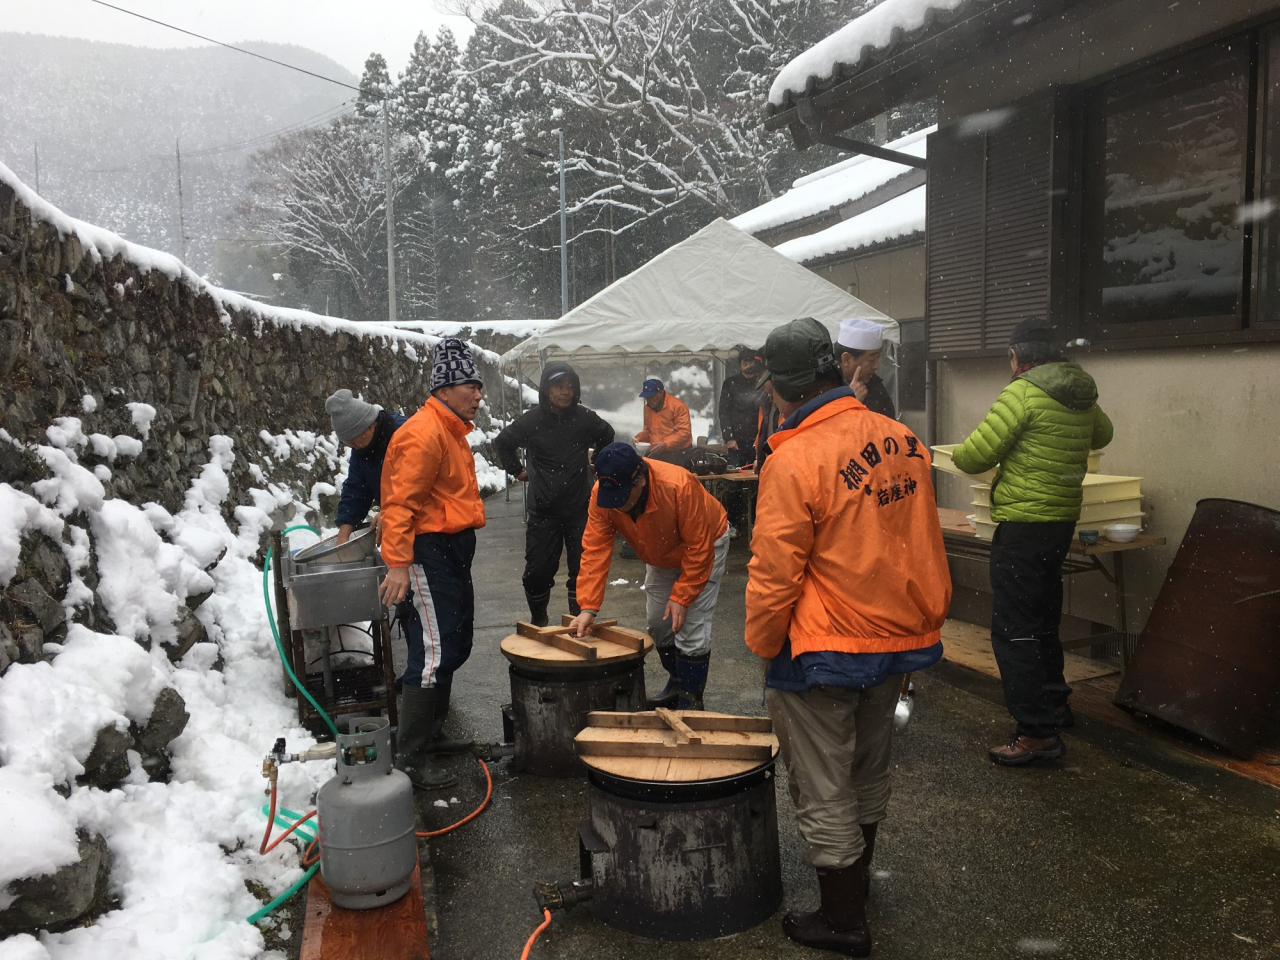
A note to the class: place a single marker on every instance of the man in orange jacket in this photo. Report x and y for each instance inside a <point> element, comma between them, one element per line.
<point>681,533</point>
<point>847,588</point>
<point>666,423</point>
<point>431,508</point>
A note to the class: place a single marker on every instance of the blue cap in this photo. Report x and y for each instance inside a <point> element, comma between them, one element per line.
<point>617,467</point>
<point>651,388</point>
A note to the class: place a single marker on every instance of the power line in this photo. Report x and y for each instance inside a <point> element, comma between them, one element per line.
<point>279,63</point>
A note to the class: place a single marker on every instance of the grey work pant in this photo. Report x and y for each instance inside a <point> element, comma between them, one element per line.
<point>835,744</point>
<point>694,638</point>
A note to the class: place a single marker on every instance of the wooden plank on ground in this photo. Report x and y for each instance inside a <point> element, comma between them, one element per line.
<point>1093,698</point>
<point>970,646</point>
<point>397,931</point>
<point>678,726</point>
<point>694,719</point>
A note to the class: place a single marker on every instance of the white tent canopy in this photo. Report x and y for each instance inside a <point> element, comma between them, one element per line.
<point>717,290</point>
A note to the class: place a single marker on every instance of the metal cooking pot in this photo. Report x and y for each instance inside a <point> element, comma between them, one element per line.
<point>361,546</point>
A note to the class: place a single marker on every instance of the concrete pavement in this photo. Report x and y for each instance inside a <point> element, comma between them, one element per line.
<point>1125,850</point>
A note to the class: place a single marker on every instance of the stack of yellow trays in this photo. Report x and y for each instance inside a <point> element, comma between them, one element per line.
<point>1107,500</point>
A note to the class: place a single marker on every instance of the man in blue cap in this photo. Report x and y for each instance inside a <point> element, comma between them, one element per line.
<point>681,533</point>
<point>666,423</point>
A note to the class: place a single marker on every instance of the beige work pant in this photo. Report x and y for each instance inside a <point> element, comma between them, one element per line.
<point>835,744</point>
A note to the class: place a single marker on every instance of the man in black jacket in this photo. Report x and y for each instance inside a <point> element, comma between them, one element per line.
<point>555,435</point>
<point>740,408</point>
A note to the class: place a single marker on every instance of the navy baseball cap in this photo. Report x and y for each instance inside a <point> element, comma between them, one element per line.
<point>617,467</point>
<point>651,388</point>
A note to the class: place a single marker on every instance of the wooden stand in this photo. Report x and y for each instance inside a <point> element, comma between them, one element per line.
<point>397,931</point>
<point>366,690</point>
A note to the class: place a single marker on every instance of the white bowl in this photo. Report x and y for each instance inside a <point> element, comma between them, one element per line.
<point>1122,532</point>
<point>973,520</point>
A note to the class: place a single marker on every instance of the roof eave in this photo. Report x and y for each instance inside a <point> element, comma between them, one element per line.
<point>909,69</point>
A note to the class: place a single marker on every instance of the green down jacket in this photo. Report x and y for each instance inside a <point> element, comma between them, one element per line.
<point>1039,432</point>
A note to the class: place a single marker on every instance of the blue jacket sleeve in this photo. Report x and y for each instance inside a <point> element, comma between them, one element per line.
<point>363,479</point>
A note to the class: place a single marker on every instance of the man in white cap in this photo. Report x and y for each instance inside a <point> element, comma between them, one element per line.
<point>858,351</point>
<point>367,430</point>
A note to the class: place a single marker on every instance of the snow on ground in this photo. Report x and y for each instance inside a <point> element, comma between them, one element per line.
<point>877,29</point>
<point>832,186</point>
<point>899,217</point>
<point>182,850</point>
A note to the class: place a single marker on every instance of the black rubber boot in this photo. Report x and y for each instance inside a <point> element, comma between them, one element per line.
<point>840,923</point>
<point>538,610</point>
<point>869,839</point>
<point>670,694</point>
<point>692,672</point>
<point>417,720</point>
<point>439,741</point>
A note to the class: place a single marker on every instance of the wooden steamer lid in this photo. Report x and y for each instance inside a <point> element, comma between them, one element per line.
<point>557,647</point>
<point>676,746</point>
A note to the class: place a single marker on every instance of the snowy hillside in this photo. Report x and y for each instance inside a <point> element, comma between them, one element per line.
<point>105,118</point>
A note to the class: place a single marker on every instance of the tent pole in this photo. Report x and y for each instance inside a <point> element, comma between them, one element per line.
<point>524,496</point>
<point>502,386</point>
<point>717,384</point>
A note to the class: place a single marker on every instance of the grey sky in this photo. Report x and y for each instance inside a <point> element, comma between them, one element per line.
<point>346,30</point>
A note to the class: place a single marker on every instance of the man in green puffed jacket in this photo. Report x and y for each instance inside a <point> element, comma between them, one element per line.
<point>1039,433</point>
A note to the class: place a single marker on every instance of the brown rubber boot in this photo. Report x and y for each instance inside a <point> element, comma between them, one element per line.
<point>1022,750</point>
<point>840,923</point>
<point>869,839</point>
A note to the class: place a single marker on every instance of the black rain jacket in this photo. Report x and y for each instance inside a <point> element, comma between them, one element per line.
<point>555,449</point>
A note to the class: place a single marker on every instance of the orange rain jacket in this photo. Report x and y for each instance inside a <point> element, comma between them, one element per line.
<point>847,552</point>
<point>428,481</point>
<point>679,528</point>
<point>670,425</point>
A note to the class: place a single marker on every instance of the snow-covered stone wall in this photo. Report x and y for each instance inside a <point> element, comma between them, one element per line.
<point>140,350</point>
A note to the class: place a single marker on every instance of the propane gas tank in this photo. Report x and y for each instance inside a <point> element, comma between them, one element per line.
<point>367,847</point>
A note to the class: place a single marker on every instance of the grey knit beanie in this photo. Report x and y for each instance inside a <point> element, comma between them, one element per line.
<point>350,415</point>
<point>452,364</point>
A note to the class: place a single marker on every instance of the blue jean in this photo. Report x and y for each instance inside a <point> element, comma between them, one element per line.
<point>439,610</point>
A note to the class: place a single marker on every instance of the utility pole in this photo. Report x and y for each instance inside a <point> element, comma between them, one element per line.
<point>36,147</point>
<point>182,226</point>
<point>564,242</point>
<point>391,211</point>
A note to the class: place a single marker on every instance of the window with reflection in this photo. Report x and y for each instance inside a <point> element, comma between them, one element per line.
<point>1265,212</point>
<point>1165,178</point>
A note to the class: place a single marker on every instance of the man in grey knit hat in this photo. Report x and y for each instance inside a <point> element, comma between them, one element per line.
<point>367,430</point>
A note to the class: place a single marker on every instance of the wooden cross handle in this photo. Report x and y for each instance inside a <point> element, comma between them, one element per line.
<point>682,731</point>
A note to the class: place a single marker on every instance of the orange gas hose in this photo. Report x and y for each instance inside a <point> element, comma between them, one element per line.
<point>488,793</point>
<point>271,819</point>
<point>307,859</point>
<point>536,933</point>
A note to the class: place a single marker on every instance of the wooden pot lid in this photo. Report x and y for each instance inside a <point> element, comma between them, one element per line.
<point>556,646</point>
<point>675,746</point>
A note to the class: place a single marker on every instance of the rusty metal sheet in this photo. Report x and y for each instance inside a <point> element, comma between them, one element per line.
<point>1208,660</point>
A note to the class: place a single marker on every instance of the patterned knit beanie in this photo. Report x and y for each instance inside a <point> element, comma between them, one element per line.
<point>452,364</point>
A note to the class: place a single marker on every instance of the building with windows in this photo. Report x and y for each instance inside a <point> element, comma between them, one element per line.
<point>1113,165</point>
<point>860,224</point>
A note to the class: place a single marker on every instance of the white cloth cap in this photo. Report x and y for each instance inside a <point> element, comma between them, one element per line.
<point>857,334</point>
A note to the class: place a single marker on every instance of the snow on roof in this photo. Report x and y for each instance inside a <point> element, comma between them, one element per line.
<point>876,31</point>
<point>893,219</point>
<point>104,245</point>
<point>832,186</point>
